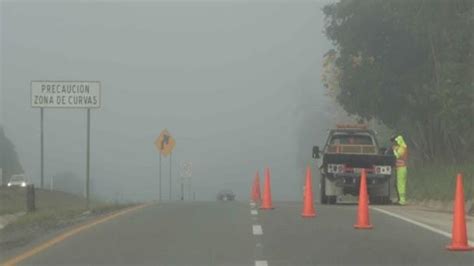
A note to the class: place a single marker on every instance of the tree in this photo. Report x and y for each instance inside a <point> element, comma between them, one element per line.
<point>8,158</point>
<point>409,64</point>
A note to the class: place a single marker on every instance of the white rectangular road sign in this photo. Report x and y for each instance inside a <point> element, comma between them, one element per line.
<point>65,94</point>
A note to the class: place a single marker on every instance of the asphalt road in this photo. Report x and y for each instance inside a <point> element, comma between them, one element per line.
<point>230,233</point>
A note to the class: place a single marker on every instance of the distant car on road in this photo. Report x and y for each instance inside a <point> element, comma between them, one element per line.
<point>18,181</point>
<point>226,195</point>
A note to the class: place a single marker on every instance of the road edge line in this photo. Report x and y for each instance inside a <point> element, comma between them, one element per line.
<point>65,235</point>
<point>422,225</point>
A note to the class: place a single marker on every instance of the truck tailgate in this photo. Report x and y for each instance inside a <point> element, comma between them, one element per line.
<point>359,160</point>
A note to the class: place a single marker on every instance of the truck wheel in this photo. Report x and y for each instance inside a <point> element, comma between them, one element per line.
<point>379,200</point>
<point>332,199</point>
<point>322,190</point>
<point>374,199</point>
<point>385,200</point>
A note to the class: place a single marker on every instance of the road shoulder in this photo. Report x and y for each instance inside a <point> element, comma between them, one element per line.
<point>440,220</point>
<point>18,238</point>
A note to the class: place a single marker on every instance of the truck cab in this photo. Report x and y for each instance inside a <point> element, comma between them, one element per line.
<point>348,150</point>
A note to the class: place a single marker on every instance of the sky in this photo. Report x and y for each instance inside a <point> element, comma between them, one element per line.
<point>232,81</point>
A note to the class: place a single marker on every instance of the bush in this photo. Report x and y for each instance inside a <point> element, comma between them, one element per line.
<point>438,181</point>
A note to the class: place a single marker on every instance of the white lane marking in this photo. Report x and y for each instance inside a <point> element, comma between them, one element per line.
<point>427,227</point>
<point>257,229</point>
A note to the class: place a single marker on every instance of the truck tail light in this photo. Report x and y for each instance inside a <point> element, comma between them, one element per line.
<point>341,168</point>
<point>336,168</point>
<point>377,169</point>
<point>383,169</point>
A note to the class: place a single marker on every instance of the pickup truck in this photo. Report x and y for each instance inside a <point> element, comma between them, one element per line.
<point>347,151</point>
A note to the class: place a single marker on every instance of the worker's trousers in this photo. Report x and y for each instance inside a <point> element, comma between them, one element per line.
<point>402,184</point>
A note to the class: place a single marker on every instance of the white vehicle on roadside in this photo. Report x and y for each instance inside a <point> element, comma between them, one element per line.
<point>18,181</point>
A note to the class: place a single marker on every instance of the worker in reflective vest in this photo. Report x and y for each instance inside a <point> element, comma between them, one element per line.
<point>400,150</point>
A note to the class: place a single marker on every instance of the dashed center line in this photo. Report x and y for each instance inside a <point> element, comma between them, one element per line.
<point>257,229</point>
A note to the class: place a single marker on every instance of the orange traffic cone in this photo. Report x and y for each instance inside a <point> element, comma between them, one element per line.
<point>363,220</point>
<point>256,189</point>
<point>267,193</point>
<point>459,234</point>
<point>308,204</point>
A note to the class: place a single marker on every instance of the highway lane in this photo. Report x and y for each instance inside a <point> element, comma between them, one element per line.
<point>331,239</point>
<point>234,233</point>
<point>213,233</point>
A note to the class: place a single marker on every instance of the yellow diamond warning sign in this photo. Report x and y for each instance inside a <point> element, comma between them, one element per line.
<point>165,143</point>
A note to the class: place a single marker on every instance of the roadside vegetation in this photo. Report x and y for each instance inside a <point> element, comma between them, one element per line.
<point>9,162</point>
<point>53,208</point>
<point>438,181</point>
<point>408,65</point>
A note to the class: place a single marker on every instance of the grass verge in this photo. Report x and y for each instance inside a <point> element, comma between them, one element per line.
<point>45,220</point>
<point>437,182</point>
<point>55,210</point>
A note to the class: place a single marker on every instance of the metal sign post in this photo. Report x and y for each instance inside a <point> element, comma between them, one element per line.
<point>182,188</point>
<point>159,180</point>
<point>170,194</point>
<point>185,172</point>
<point>88,157</point>
<point>165,144</point>
<point>42,146</point>
<point>189,189</point>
